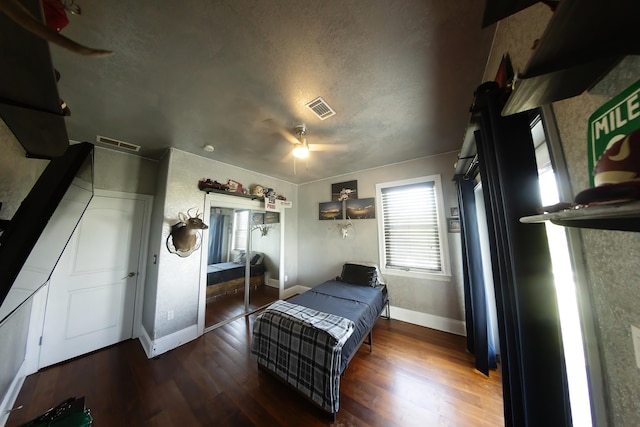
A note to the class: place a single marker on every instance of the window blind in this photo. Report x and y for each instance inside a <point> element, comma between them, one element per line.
<point>240,230</point>
<point>410,224</point>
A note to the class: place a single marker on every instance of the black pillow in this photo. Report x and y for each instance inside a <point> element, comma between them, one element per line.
<point>357,274</point>
<point>256,258</point>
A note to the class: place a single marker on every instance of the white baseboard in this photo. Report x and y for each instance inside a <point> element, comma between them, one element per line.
<point>155,348</point>
<point>12,394</point>
<point>297,289</point>
<point>274,283</point>
<point>439,323</point>
<point>146,342</point>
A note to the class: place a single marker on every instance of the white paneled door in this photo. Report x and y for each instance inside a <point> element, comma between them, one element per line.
<point>92,291</point>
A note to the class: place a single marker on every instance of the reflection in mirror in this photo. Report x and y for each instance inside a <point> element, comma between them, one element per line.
<point>265,250</point>
<point>239,258</point>
<point>48,247</point>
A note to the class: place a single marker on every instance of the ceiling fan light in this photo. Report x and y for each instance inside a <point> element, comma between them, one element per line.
<point>301,152</point>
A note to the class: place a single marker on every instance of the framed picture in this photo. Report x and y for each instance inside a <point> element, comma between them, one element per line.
<point>330,210</point>
<point>257,218</point>
<point>453,225</point>
<point>344,191</point>
<point>271,217</point>
<point>361,208</point>
<point>455,211</point>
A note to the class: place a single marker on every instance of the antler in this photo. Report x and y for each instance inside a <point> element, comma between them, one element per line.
<point>189,212</point>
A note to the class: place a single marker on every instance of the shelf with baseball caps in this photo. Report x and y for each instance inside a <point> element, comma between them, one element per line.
<point>613,200</point>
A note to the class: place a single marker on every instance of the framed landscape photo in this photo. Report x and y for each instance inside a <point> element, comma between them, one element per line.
<point>361,208</point>
<point>257,218</point>
<point>344,191</point>
<point>330,210</point>
<point>271,217</point>
<point>453,225</point>
<point>455,211</point>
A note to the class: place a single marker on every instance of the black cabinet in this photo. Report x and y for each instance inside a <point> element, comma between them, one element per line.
<point>583,41</point>
<point>29,100</point>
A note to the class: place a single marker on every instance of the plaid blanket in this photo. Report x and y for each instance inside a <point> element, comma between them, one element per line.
<point>303,347</point>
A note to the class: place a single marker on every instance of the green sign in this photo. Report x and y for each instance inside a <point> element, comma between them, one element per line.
<point>611,122</point>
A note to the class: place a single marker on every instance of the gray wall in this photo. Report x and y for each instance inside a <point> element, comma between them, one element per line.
<point>17,176</point>
<point>13,336</point>
<point>322,251</point>
<point>17,172</point>
<point>124,172</point>
<point>611,256</point>
<point>178,279</point>
<point>155,246</point>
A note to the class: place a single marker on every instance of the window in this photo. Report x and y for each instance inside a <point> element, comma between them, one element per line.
<point>240,230</point>
<point>411,229</point>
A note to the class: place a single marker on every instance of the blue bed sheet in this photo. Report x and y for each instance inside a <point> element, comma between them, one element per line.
<point>361,304</point>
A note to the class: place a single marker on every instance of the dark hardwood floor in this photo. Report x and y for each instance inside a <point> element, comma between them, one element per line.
<point>230,305</point>
<point>414,377</point>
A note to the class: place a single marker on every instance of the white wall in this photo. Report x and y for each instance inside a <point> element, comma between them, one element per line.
<point>322,251</point>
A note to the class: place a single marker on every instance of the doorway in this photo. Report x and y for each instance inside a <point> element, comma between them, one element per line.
<point>94,295</point>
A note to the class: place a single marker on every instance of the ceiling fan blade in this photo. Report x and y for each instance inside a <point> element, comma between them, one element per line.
<point>291,138</point>
<point>328,147</point>
<point>280,130</point>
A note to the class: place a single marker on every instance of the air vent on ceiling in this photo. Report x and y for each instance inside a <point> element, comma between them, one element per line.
<point>320,107</point>
<point>117,144</point>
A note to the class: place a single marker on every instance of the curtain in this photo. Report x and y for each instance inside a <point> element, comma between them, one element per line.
<point>479,336</point>
<point>532,357</point>
<point>216,230</point>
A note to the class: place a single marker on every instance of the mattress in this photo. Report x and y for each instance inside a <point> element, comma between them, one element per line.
<point>225,271</point>
<point>358,303</point>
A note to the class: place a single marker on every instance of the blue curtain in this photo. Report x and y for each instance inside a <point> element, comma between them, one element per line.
<point>479,334</point>
<point>216,230</point>
<point>534,379</point>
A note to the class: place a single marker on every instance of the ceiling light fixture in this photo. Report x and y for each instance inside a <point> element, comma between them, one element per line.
<point>302,151</point>
<point>209,148</point>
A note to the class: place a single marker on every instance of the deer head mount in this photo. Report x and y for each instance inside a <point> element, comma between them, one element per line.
<point>264,229</point>
<point>344,227</point>
<point>185,238</point>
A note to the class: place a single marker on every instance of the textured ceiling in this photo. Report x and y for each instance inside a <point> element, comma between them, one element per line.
<point>235,74</point>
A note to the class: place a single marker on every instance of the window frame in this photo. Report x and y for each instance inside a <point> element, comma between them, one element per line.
<point>445,273</point>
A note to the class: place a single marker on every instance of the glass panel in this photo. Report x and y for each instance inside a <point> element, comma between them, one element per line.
<point>46,251</point>
<point>240,280</point>
<point>265,258</point>
<point>565,286</point>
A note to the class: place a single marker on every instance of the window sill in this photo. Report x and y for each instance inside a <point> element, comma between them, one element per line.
<point>416,275</point>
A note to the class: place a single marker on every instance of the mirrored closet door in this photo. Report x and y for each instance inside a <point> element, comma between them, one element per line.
<point>242,259</point>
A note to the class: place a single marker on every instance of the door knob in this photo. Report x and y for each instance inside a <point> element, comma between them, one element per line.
<point>129,275</point>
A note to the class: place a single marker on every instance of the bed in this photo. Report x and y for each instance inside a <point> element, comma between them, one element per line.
<point>309,340</point>
<point>226,277</point>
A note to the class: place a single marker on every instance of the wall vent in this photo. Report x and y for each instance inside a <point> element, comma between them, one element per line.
<point>321,109</point>
<point>117,144</point>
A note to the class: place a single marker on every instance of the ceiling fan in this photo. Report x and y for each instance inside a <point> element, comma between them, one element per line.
<point>302,147</point>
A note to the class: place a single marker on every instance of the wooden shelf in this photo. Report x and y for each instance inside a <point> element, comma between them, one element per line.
<point>619,216</point>
<point>584,40</point>
<point>229,193</point>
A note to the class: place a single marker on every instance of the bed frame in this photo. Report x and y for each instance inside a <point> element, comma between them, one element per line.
<point>367,339</point>
<point>234,285</point>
